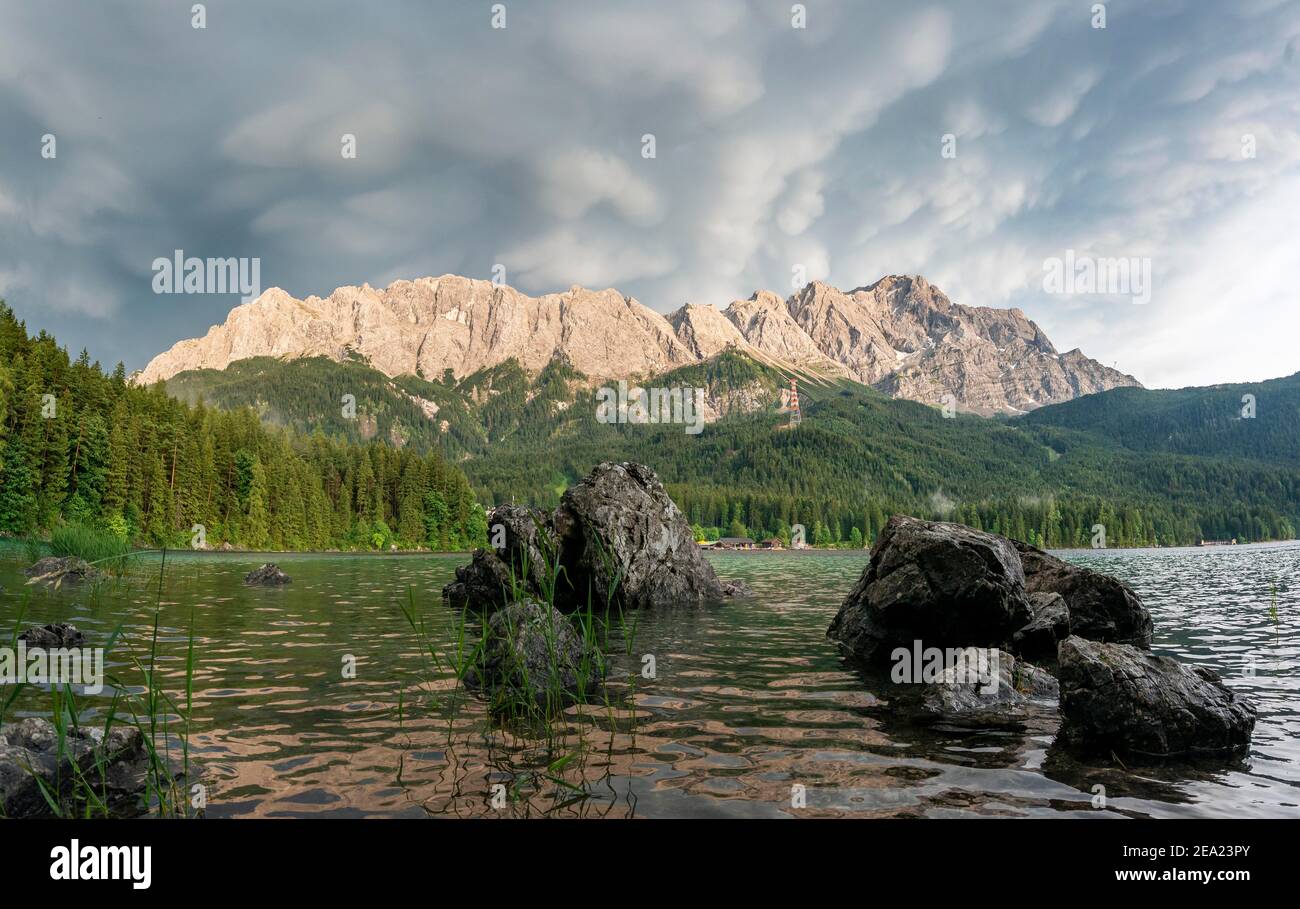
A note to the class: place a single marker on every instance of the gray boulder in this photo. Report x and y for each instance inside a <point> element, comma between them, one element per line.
<point>268,575</point>
<point>116,768</point>
<point>58,635</point>
<point>986,687</point>
<point>1102,608</point>
<point>616,536</point>
<point>619,530</point>
<point>1049,626</point>
<point>946,585</point>
<point>55,571</point>
<point>1116,697</point>
<point>520,564</point>
<point>533,656</point>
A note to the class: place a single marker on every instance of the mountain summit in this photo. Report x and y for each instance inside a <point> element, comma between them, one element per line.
<point>900,334</point>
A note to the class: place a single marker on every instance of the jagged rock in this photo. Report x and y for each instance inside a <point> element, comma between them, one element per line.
<point>484,583</point>
<point>736,589</point>
<point>986,687</point>
<point>900,334</point>
<point>1102,608</point>
<point>521,562</point>
<point>1049,626</point>
<point>29,750</point>
<point>946,585</point>
<point>1119,698</point>
<point>59,635</point>
<point>268,575</point>
<point>616,529</point>
<point>55,571</point>
<point>528,543</point>
<point>534,654</point>
<point>619,530</point>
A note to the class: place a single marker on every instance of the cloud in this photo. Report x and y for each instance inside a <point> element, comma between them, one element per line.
<point>776,148</point>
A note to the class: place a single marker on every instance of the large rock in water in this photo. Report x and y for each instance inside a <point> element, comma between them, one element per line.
<point>618,530</point>
<point>520,563</point>
<point>618,538</point>
<point>946,585</point>
<point>268,575</point>
<point>55,636</point>
<point>533,655</point>
<point>115,768</point>
<point>1116,697</point>
<point>1101,607</point>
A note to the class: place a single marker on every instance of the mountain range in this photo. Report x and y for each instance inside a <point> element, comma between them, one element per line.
<point>900,335</point>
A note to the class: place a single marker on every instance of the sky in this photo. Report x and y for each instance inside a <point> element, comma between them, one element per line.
<point>974,143</point>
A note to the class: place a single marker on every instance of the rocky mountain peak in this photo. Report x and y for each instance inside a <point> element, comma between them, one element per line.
<point>900,334</point>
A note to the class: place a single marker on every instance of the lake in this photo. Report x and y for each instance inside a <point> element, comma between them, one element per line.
<point>749,698</point>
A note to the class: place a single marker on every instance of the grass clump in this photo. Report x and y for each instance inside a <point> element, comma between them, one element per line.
<point>101,548</point>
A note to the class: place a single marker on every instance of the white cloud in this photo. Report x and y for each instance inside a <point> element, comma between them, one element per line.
<point>775,147</point>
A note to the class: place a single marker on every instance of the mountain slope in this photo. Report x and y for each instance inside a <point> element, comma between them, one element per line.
<point>858,454</point>
<point>900,334</point>
<point>1210,420</point>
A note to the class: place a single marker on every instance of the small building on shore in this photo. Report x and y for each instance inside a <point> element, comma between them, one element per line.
<point>734,543</point>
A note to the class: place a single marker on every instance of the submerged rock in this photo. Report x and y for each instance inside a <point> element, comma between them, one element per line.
<point>115,768</point>
<point>736,589</point>
<point>533,655</point>
<point>1049,626</point>
<point>1102,608</point>
<point>946,585</point>
<point>617,537</point>
<point>55,571</point>
<point>986,687</point>
<point>268,575</point>
<point>58,635</point>
<point>1116,697</point>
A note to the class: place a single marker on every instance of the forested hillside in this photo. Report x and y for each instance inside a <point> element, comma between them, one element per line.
<point>857,457</point>
<point>83,447</point>
<point>1257,420</point>
<point>301,469</point>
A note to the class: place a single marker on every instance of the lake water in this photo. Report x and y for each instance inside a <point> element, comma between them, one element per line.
<point>749,699</point>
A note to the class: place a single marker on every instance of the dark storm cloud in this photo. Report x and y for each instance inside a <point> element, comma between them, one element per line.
<point>777,149</point>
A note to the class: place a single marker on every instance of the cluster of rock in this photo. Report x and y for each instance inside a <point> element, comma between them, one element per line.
<point>37,760</point>
<point>32,764</point>
<point>54,636</point>
<point>55,571</point>
<point>268,575</point>
<point>955,588</point>
<point>615,541</point>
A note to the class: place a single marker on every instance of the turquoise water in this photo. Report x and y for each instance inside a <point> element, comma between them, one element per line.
<point>749,700</point>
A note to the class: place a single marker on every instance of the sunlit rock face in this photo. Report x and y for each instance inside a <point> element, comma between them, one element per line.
<point>901,335</point>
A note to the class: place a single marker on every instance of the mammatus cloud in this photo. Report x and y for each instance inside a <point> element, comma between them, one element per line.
<point>968,142</point>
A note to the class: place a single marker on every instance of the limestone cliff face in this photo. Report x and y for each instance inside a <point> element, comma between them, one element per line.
<point>900,334</point>
<point>425,326</point>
